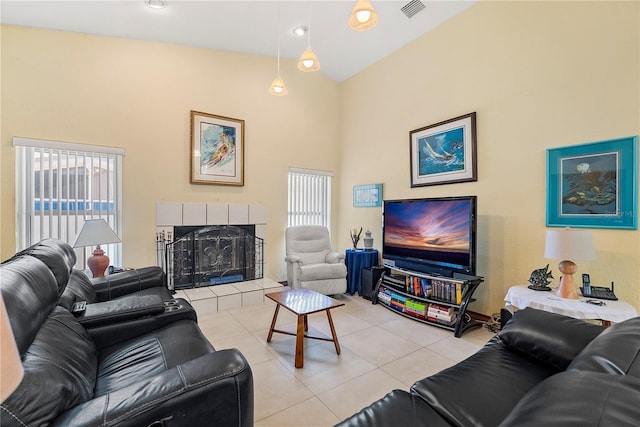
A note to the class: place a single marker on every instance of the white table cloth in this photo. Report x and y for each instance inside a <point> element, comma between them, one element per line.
<point>613,311</point>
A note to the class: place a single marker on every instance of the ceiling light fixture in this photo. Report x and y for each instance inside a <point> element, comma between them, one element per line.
<point>308,61</point>
<point>363,16</point>
<point>156,4</point>
<point>300,30</point>
<point>277,87</point>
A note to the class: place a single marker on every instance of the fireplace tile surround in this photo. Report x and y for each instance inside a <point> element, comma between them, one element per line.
<point>210,299</point>
<point>169,215</point>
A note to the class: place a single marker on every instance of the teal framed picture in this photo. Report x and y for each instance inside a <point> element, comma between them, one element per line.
<point>593,185</point>
<point>369,195</point>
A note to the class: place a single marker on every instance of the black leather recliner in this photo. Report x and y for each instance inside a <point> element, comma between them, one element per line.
<point>542,369</point>
<point>164,373</point>
<point>139,297</point>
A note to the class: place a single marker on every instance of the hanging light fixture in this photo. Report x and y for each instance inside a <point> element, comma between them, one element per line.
<point>277,87</point>
<point>156,4</point>
<point>363,16</point>
<point>308,61</point>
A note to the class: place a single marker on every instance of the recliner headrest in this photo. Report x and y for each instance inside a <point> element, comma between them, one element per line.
<point>59,256</point>
<point>30,293</point>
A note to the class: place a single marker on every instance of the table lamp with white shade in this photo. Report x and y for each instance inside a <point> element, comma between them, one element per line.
<point>569,245</point>
<point>11,371</point>
<point>96,232</point>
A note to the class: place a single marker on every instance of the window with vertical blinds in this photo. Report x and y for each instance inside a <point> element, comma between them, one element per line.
<point>309,197</point>
<point>61,184</point>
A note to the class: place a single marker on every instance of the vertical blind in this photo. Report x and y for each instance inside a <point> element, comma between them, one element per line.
<point>309,201</point>
<point>60,184</point>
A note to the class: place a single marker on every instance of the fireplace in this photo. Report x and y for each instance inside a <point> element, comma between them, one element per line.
<point>205,244</point>
<point>211,255</point>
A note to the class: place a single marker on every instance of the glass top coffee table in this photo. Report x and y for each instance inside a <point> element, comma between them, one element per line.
<point>302,302</point>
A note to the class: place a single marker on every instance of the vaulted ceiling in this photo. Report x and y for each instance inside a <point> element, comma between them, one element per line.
<point>246,26</point>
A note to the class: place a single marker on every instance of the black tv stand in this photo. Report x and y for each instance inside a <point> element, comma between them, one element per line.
<point>421,268</point>
<point>429,298</point>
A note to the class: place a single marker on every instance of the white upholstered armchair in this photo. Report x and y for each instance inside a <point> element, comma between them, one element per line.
<point>311,263</point>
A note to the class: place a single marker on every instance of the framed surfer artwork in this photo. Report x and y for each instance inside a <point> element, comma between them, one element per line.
<point>444,153</point>
<point>593,185</point>
<point>217,149</point>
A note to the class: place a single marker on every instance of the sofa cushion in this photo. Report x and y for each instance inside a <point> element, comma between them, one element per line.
<point>614,351</point>
<point>550,338</point>
<point>59,373</point>
<point>579,399</point>
<point>311,243</point>
<point>482,390</point>
<point>127,363</point>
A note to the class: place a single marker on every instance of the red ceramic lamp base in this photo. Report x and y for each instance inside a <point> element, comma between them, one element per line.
<point>98,263</point>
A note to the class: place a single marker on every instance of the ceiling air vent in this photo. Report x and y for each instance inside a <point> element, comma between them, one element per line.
<point>412,8</point>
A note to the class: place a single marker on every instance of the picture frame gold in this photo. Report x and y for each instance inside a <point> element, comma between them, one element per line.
<point>217,149</point>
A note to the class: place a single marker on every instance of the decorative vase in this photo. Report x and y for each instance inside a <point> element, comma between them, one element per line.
<point>368,241</point>
<point>355,237</point>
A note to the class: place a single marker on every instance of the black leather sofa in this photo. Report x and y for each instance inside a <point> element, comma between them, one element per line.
<point>542,369</point>
<point>150,366</point>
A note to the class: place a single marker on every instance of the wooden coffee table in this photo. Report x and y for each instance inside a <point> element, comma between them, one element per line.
<point>302,302</point>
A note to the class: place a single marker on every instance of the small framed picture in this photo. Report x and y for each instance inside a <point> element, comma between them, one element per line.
<point>217,149</point>
<point>369,195</point>
<point>444,153</point>
<point>593,185</point>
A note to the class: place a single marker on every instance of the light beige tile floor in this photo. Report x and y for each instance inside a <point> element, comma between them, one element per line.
<point>381,351</point>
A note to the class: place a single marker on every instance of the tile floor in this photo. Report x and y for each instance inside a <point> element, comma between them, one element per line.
<point>381,351</point>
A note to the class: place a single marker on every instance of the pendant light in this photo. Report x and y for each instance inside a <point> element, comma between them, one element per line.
<point>363,16</point>
<point>277,87</point>
<point>308,61</point>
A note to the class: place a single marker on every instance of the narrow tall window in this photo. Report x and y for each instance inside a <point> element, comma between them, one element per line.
<point>309,197</point>
<point>61,184</point>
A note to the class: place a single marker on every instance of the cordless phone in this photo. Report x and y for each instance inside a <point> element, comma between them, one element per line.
<point>599,292</point>
<point>586,284</point>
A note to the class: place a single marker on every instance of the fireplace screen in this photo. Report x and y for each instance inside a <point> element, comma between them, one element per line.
<point>211,255</point>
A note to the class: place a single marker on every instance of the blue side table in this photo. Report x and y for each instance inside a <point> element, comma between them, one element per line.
<point>356,260</point>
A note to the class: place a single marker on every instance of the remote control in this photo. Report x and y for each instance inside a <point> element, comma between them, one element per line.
<point>79,306</point>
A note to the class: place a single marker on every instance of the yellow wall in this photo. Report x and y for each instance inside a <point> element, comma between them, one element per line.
<point>137,95</point>
<point>538,74</point>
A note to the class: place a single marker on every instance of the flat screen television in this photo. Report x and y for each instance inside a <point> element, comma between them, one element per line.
<point>433,235</point>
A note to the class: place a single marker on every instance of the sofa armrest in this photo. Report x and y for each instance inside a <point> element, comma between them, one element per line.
<point>397,408</point>
<point>335,257</point>
<point>214,389</point>
<point>551,338</point>
<point>130,281</point>
<point>108,334</point>
<point>120,310</point>
<point>293,258</point>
